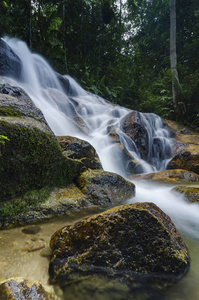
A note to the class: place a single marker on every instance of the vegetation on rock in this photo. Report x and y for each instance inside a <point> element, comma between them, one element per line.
<point>31,159</point>
<point>125,241</point>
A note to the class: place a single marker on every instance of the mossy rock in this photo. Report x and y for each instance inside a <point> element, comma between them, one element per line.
<point>30,158</point>
<point>128,241</point>
<point>191,194</point>
<point>169,176</point>
<point>105,188</point>
<point>19,288</point>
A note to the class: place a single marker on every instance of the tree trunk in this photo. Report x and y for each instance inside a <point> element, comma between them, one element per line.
<point>173,61</point>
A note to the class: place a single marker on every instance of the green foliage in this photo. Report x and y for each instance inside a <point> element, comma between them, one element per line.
<point>20,205</point>
<point>117,49</point>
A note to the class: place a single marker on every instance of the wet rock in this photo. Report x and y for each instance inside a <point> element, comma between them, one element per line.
<point>46,252</point>
<point>191,194</point>
<point>15,102</point>
<point>185,149</point>
<point>32,246</point>
<point>10,64</point>
<point>133,127</point>
<point>127,242</point>
<point>31,229</point>
<point>18,289</point>
<point>187,159</point>
<point>81,151</point>
<point>169,176</point>
<point>105,188</point>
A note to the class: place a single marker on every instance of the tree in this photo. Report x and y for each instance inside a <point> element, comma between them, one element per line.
<point>173,61</point>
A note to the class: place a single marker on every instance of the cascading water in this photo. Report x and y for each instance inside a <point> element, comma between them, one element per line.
<point>70,110</point>
<point>90,117</point>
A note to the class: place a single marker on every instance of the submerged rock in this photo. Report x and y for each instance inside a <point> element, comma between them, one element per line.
<point>169,176</point>
<point>105,188</point>
<point>191,194</point>
<point>127,242</point>
<point>19,288</point>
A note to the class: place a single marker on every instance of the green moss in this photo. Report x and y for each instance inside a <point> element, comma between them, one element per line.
<point>9,111</point>
<point>31,159</point>
<point>20,205</point>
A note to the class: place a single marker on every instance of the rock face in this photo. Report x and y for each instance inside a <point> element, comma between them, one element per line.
<point>126,241</point>
<point>191,194</point>
<point>105,188</point>
<point>19,288</point>
<point>10,64</point>
<point>169,176</point>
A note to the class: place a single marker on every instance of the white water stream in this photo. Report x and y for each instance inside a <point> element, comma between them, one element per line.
<point>88,116</point>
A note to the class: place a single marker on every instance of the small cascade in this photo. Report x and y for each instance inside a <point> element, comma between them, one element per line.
<point>126,141</point>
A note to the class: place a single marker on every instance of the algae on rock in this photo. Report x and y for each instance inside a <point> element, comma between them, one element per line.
<point>31,159</point>
<point>126,241</point>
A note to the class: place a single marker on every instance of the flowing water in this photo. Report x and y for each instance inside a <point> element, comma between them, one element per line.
<point>70,110</point>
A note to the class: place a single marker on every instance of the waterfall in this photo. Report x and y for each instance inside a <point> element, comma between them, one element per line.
<point>70,110</point>
<point>126,141</point>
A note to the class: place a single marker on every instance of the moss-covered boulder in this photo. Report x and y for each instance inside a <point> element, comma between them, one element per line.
<point>30,157</point>
<point>105,188</point>
<point>169,176</point>
<point>129,241</point>
<point>19,288</point>
<point>191,194</point>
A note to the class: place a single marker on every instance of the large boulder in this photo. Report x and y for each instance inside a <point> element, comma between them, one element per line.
<point>105,188</point>
<point>176,176</point>
<point>10,64</point>
<point>127,242</point>
<point>30,158</point>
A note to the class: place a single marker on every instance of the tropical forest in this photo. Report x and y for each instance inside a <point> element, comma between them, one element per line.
<point>99,149</point>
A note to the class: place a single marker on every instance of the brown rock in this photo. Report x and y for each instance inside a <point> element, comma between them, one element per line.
<point>126,241</point>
